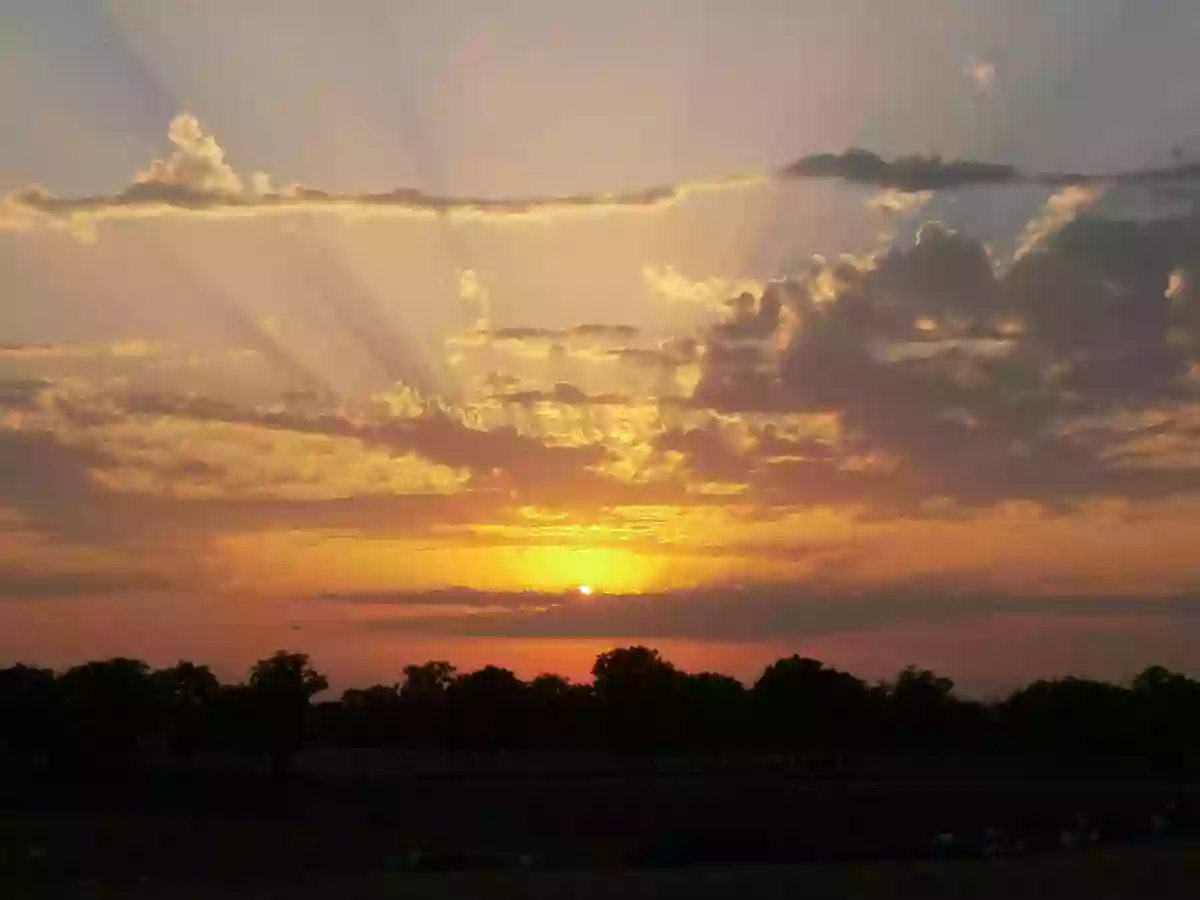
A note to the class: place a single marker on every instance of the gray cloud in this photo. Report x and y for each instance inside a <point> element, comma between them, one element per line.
<point>25,584</point>
<point>195,179</point>
<point>435,435</point>
<point>960,377</point>
<point>759,612</point>
<point>20,393</point>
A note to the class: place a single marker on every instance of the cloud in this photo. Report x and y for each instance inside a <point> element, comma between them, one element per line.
<point>953,384</point>
<point>910,173</point>
<point>762,612</point>
<point>196,180</point>
<point>196,166</point>
<point>473,292</point>
<point>563,393</point>
<point>430,431</point>
<point>708,293</point>
<point>58,488</point>
<point>20,393</point>
<point>896,202</point>
<point>953,379</point>
<point>587,332</point>
<point>129,349</point>
<point>27,584</point>
<point>1062,207</point>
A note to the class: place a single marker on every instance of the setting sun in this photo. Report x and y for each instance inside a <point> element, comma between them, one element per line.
<point>505,376</point>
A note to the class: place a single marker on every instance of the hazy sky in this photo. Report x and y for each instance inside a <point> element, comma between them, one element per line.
<point>377,328</point>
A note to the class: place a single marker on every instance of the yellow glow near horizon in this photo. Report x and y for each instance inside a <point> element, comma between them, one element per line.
<point>556,567</point>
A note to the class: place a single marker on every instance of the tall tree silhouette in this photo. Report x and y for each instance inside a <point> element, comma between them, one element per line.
<point>488,708</point>
<point>110,708</point>
<point>423,701</point>
<point>805,706</point>
<point>370,716</point>
<point>187,693</point>
<point>1167,711</point>
<point>562,713</point>
<point>923,712</point>
<point>637,692</point>
<point>281,688</point>
<point>28,716</point>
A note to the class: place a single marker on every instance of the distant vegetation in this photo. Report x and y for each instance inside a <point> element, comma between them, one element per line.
<point>115,712</point>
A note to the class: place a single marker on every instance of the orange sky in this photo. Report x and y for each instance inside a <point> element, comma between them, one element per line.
<point>251,393</point>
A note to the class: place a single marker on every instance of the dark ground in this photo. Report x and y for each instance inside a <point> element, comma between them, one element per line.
<point>379,831</point>
<point>1145,873</point>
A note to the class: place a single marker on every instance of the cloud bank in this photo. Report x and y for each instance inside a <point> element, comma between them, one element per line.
<point>195,179</point>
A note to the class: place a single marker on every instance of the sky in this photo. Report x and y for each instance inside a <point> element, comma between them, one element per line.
<point>864,331</point>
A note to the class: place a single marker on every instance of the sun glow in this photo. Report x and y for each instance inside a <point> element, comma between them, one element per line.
<point>586,590</point>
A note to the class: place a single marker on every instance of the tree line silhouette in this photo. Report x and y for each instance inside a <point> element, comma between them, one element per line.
<point>115,712</point>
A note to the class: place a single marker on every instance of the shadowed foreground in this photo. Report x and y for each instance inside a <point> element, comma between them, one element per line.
<point>1164,873</point>
<point>111,773</point>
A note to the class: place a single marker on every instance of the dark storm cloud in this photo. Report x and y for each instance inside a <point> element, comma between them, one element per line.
<point>1083,326</point>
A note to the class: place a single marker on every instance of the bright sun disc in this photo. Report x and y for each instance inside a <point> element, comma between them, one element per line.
<point>586,590</point>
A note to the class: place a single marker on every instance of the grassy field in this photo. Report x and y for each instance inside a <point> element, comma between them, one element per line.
<point>1131,873</point>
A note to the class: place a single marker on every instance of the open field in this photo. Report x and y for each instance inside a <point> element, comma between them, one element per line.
<point>236,824</point>
<point>1162,873</point>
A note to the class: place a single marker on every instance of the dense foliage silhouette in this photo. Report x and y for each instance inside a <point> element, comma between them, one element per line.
<point>109,714</point>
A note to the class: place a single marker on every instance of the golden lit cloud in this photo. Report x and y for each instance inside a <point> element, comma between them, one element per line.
<point>1060,209</point>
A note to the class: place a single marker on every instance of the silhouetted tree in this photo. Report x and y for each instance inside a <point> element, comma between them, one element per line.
<point>28,714</point>
<point>805,706</point>
<point>562,713</point>
<point>370,716</point>
<point>101,714</point>
<point>423,702</point>
<point>110,710</point>
<point>1070,717</point>
<point>714,711</point>
<point>488,708</point>
<point>427,680</point>
<point>187,693</point>
<point>922,710</point>
<point>1166,716</point>
<point>637,692</point>
<point>281,688</point>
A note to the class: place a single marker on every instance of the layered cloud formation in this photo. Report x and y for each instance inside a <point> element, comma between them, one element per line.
<point>928,420</point>
<point>195,179</point>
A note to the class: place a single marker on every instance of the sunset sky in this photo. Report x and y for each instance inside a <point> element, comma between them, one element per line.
<point>375,329</point>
